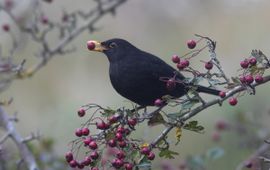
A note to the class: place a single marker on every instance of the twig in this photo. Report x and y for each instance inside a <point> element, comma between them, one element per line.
<point>24,151</point>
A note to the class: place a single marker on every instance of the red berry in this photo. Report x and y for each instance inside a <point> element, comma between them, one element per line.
<point>158,102</point>
<point>253,61</point>
<point>151,156</point>
<point>80,165</point>
<point>120,130</point>
<point>248,164</point>
<point>180,66</point>
<point>93,145</point>
<point>221,125</point>
<point>120,154</point>
<point>119,136</point>
<point>9,4</point>
<point>132,122</point>
<point>44,19</point>
<point>185,63</point>
<point>81,112</point>
<point>112,143</point>
<point>113,119</point>
<point>91,45</point>
<point>85,131</point>
<point>128,166</point>
<point>117,163</point>
<point>127,131</point>
<point>86,141</point>
<point>175,59</point>
<point>73,164</point>
<point>145,150</point>
<point>171,84</point>
<point>208,65</point>
<point>87,161</point>
<point>122,144</point>
<point>69,156</point>
<point>242,79</point>
<point>258,78</point>
<point>6,27</point>
<point>222,94</point>
<point>191,44</point>
<point>102,125</point>
<point>78,132</point>
<point>65,18</point>
<point>249,79</point>
<point>244,64</point>
<point>233,101</point>
<point>94,168</point>
<point>94,155</point>
<point>216,136</point>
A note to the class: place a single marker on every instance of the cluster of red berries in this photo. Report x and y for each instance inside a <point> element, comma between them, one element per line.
<point>249,78</point>
<point>115,131</point>
<point>180,64</point>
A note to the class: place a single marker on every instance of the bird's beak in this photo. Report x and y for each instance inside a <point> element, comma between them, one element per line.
<point>96,46</point>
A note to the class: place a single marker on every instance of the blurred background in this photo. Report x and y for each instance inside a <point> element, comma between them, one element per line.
<point>49,100</point>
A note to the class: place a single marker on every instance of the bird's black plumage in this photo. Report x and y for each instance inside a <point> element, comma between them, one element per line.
<point>136,74</point>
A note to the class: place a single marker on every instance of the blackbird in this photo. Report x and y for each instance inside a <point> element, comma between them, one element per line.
<point>137,75</point>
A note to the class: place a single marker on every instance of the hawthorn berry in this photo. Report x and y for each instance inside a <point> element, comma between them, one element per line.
<point>94,168</point>
<point>81,112</point>
<point>93,145</point>
<point>180,66</point>
<point>191,44</point>
<point>132,122</point>
<point>158,102</point>
<point>208,65</point>
<point>175,59</point>
<point>248,164</point>
<point>151,156</point>
<point>242,79</point>
<point>122,144</point>
<point>185,63</point>
<point>73,164</point>
<point>119,136</point>
<point>102,125</point>
<point>244,64</point>
<point>6,27</point>
<point>258,78</point>
<point>86,141</point>
<point>120,130</point>
<point>44,19</point>
<point>233,101</point>
<point>249,79</point>
<point>112,143</point>
<point>117,163</point>
<point>221,125</point>
<point>91,45</point>
<point>171,84</point>
<point>252,61</point>
<point>80,165</point>
<point>69,156</point>
<point>87,161</point>
<point>128,166</point>
<point>120,154</point>
<point>222,94</point>
<point>216,136</point>
<point>78,132</point>
<point>94,155</point>
<point>85,131</point>
<point>113,119</point>
<point>145,150</point>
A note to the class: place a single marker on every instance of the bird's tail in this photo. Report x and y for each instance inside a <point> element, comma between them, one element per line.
<point>207,90</point>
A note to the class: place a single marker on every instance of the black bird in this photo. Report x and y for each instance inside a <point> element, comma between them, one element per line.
<point>136,74</point>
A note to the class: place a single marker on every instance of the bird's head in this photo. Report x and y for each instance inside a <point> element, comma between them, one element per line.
<point>115,49</point>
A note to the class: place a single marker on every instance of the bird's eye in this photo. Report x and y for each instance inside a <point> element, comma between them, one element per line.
<point>112,45</point>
